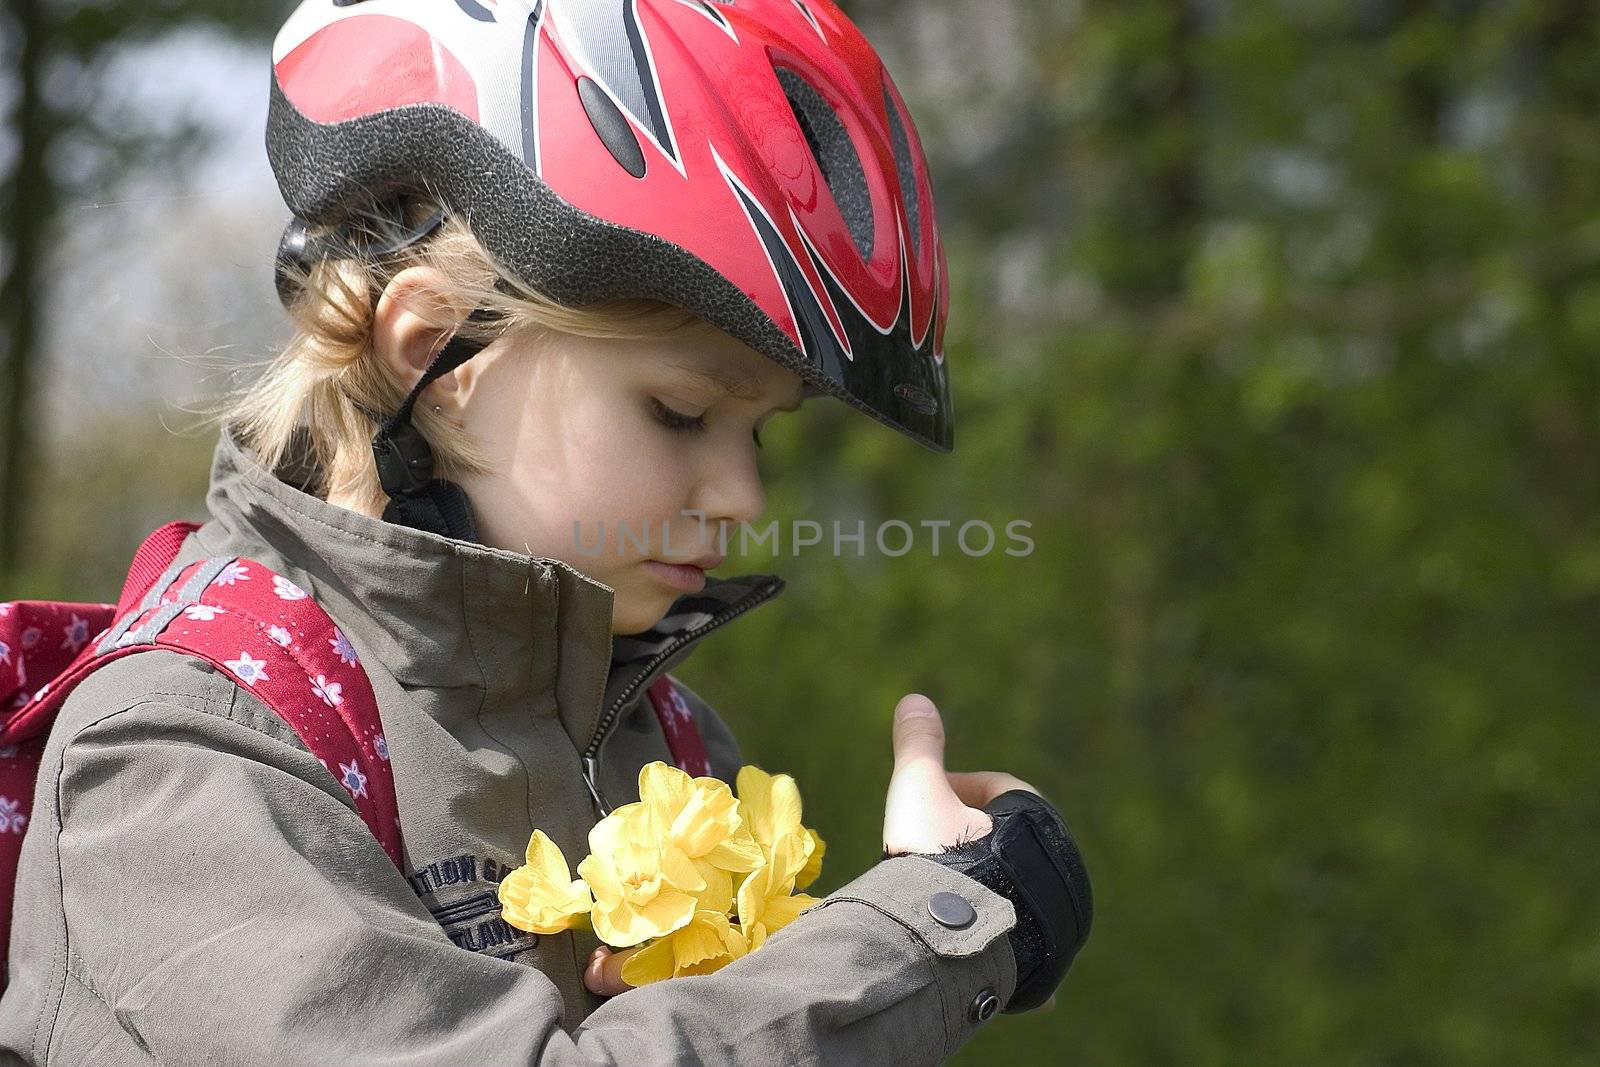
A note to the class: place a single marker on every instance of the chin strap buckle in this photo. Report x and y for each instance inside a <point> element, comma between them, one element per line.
<point>405,461</point>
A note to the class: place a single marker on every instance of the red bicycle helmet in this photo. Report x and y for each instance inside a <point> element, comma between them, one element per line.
<point>750,161</point>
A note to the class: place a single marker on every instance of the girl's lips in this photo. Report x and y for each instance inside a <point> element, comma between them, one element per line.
<point>685,576</point>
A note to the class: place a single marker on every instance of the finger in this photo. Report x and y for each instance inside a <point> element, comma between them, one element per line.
<point>918,733</point>
<point>917,783</point>
<point>921,811</point>
<point>604,973</point>
<point>593,979</point>
<point>977,788</point>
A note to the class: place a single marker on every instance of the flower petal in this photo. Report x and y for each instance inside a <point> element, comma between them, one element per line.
<point>781,911</point>
<point>813,867</point>
<point>667,912</point>
<point>753,895</point>
<point>755,800</point>
<point>738,851</point>
<point>718,893</point>
<point>663,791</point>
<point>602,879</point>
<point>650,964</point>
<point>771,803</point>
<point>700,940</point>
<point>545,856</point>
<point>680,871</point>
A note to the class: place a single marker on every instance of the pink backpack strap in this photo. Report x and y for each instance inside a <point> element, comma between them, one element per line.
<point>269,636</point>
<point>151,561</point>
<point>52,641</point>
<point>688,748</point>
<point>41,646</point>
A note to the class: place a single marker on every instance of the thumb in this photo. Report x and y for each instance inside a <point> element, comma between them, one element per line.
<point>921,800</point>
<point>918,737</point>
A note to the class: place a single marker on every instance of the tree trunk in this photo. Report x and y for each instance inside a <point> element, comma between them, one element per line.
<point>29,210</point>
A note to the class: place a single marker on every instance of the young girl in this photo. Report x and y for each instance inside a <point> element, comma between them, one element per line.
<point>554,266</point>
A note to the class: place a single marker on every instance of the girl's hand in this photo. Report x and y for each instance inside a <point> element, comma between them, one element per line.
<point>928,808</point>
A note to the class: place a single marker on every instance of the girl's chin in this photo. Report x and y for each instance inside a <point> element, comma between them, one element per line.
<point>635,610</point>
<point>635,624</point>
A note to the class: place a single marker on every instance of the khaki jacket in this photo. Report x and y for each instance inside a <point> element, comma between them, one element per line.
<point>196,888</point>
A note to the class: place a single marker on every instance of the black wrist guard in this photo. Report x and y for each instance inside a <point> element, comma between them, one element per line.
<point>1030,859</point>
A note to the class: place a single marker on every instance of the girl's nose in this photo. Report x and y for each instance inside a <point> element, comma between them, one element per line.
<point>731,492</point>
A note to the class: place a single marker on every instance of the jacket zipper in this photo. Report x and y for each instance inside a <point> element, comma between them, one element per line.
<point>591,754</point>
<point>590,768</point>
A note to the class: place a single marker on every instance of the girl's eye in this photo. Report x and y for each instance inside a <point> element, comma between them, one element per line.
<point>677,420</point>
<point>681,423</point>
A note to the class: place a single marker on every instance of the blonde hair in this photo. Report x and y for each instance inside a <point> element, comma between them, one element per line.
<point>321,398</point>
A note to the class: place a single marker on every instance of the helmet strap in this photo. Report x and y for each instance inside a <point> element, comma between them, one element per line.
<point>405,459</point>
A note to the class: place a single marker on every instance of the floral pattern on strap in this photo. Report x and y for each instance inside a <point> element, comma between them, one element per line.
<point>262,629</point>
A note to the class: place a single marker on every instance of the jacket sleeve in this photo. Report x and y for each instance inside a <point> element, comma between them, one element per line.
<point>229,906</point>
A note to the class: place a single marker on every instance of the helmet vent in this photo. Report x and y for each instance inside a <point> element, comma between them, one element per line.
<point>612,127</point>
<point>835,155</point>
<point>906,170</point>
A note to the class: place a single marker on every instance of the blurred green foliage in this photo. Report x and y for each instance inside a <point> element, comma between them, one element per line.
<point>1301,405</point>
<point>1277,321</point>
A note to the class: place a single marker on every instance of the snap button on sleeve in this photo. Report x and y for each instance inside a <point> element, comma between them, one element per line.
<point>961,923</point>
<point>952,910</point>
<point>910,889</point>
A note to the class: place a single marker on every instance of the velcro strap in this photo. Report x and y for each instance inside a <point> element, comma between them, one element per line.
<point>1031,843</point>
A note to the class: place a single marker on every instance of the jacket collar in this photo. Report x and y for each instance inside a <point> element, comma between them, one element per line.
<point>482,627</point>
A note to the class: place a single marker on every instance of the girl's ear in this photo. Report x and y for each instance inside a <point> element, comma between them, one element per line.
<point>415,316</point>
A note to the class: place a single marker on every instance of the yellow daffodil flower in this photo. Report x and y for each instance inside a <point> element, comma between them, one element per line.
<point>767,901</point>
<point>672,867</point>
<point>766,898</point>
<point>642,887</point>
<point>707,942</point>
<point>700,817</point>
<point>771,807</point>
<point>542,897</point>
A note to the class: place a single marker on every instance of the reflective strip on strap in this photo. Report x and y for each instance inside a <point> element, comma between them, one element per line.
<point>151,598</point>
<point>189,594</point>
